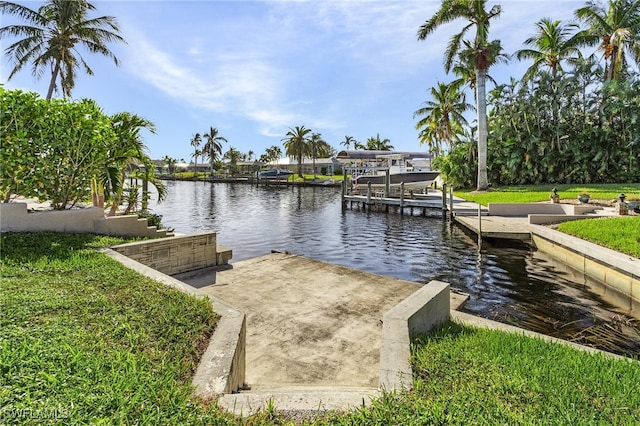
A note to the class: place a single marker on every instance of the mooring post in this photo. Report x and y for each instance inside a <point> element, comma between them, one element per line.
<point>387,183</point>
<point>368,194</point>
<point>344,192</point>
<point>479,226</point>
<point>401,197</point>
<point>451,202</point>
<point>444,200</point>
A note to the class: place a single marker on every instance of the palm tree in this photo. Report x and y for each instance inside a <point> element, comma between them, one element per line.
<point>465,65</point>
<point>315,142</point>
<point>128,148</point>
<point>484,54</point>
<point>616,29</point>
<point>443,117</point>
<point>271,154</point>
<point>348,140</point>
<point>52,37</point>
<point>213,146</point>
<point>375,143</point>
<point>170,162</point>
<point>197,153</point>
<point>358,145</point>
<point>233,155</point>
<point>295,144</point>
<point>196,140</point>
<point>553,43</point>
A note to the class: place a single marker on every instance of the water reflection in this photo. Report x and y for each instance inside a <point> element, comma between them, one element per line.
<point>509,283</point>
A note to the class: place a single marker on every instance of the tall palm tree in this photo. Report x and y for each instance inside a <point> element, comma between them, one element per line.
<point>348,140</point>
<point>616,29</point>
<point>473,11</point>
<point>465,66</point>
<point>315,145</point>
<point>213,146</point>
<point>552,44</point>
<point>52,36</point>
<point>442,117</point>
<point>295,144</point>
<point>196,140</point>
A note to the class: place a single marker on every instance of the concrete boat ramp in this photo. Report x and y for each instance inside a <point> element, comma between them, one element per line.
<point>314,330</point>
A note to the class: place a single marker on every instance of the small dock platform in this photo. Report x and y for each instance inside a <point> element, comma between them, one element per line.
<point>498,227</point>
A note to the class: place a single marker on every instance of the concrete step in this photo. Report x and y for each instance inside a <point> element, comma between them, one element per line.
<point>312,398</point>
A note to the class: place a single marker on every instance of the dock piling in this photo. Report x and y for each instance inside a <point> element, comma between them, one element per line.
<point>444,200</point>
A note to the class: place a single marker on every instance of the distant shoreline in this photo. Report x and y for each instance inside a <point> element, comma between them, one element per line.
<point>253,180</point>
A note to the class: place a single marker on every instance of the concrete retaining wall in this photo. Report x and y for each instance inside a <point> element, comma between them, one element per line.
<point>177,254</point>
<point>525,209</point>
<point>620,273</point>
<point>418,313</point>
<point>222,367</point>
<point>15,217</point>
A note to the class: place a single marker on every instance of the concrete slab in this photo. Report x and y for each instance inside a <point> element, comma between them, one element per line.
<point>513,228</point>
<point>309,323</point>
<point>314,330</point>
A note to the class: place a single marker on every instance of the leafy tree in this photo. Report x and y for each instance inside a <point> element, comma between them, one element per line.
<point>21,118</point>
<point>443,117</point>
<point>484,52</point>
<point>615,30</point>
<point>55,148</point>
<point>52,36</point>
<point>552,44</point>
<point>296,144</point>
<point>213,146</point>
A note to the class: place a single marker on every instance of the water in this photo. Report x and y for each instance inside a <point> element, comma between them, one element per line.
<point>513,284</point>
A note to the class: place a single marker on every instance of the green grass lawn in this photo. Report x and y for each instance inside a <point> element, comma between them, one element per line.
<point>537,193</point>
<point>620,233</point>
<point>464,375</point>
<point>84,340</point>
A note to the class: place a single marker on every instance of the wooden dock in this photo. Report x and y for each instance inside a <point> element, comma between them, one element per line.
<point>432,201</point>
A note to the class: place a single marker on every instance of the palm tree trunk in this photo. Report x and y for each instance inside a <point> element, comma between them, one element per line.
<point>54,75</point>
<point>481,100</point>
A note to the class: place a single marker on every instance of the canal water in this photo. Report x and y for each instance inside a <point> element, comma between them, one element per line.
<point>514,284</point>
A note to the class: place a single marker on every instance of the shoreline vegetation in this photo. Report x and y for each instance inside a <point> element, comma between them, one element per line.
<point>84,340</point>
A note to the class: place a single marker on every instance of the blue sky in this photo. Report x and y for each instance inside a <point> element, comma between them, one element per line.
<point>253,69</point>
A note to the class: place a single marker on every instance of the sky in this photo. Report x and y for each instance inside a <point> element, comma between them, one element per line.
<point>255,69</point>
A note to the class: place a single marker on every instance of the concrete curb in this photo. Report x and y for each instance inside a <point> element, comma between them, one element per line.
<point>418,313</point>
<point>222,367</point>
